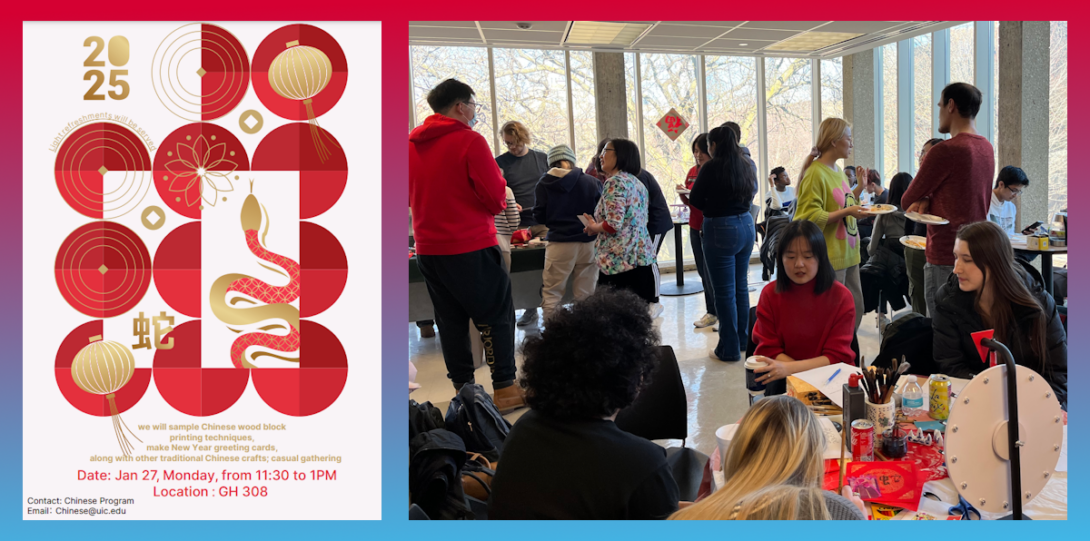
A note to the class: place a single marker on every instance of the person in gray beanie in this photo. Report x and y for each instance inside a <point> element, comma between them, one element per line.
<point>563,194</point>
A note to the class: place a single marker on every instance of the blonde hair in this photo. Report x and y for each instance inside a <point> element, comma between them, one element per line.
<point>517,130</point>
<point>773,467</point>
<point>831,130</point>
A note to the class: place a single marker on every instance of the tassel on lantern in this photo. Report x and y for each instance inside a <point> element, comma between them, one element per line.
<point>103,368</point>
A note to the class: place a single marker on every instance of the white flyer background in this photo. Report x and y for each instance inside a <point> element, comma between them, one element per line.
<point>58,439</point>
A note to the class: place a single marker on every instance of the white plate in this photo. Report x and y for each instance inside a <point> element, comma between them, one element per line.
<point>879,209</point>
<point>684,192</point>
<point>914,238</point>
<point>583,219</point>
<point>929,219</point>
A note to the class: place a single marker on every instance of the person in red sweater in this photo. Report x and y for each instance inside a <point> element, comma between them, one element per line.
<point>954,182</point>
<point>696,219</point>
<point>455,191</point>
<point>807,319</point>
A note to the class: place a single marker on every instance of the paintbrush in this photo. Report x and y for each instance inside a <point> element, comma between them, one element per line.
<point>844,431</point>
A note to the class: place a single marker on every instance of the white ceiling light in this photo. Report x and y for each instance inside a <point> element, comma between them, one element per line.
<point>812,41</point>
<point>603,33</point>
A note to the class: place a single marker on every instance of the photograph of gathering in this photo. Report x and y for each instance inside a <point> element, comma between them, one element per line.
<point>738,270</point>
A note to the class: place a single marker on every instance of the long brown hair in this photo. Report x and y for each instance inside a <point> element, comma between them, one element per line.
<point>992,254</point>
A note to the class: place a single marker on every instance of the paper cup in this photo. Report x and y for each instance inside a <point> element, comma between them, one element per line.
<point>723,436</point>
<point>751,377</point>
<point>882,415</point>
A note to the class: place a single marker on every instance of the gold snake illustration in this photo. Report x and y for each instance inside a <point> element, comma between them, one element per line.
<point>276,299</point>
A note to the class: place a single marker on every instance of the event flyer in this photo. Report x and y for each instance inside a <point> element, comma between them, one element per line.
<point>201,217</point>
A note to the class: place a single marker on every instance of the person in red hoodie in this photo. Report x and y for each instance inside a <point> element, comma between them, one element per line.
<point>805,318</point>
<point>455,191</point>
<point>954,183</point>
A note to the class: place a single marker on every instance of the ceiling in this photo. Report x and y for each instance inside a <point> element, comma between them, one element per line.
<point>745,38</point>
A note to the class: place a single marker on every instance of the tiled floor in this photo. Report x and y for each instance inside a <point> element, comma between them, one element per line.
<point>716,390</point>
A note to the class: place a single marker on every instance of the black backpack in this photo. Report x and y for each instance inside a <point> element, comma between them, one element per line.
<point>436,459</point>
<point>909,336</point>
<point>473,416</point>
<point>423,417</point>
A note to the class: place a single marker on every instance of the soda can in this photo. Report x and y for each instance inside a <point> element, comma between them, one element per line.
<point>862,440</point>
<point>939,397</point>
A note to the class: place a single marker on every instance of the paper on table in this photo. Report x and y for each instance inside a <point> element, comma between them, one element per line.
<point>833,390</point>
<point>832,438</point>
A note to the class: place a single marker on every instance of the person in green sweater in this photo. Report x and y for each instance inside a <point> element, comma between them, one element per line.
<point>825,198</point>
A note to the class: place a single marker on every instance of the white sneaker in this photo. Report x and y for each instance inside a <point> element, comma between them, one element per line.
<point>656,310</point>
<point>706,321</point>
<point>528,317</point>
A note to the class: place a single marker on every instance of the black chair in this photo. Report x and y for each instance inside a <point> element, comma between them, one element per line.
<point>661,412</point>
<point>780,386</point>
<point>416,513</point>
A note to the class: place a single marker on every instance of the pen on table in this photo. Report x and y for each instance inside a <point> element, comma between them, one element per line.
<point>833,376</point>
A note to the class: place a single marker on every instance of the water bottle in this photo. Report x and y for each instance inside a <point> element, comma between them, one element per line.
<point>912,398</point>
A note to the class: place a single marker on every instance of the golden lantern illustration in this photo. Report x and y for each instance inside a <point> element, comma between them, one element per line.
<point>299,73</point>
<point>103,368</point>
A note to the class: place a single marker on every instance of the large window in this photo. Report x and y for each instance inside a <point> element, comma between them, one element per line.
<point>583,106</point>
<point>433,65</point>
<point>669,82</point>
<point>961,53</point>
<point>630,95</point>
<point>922,103</point>
<point>888,167</point>
<point>832,88</point>
<point>531,87</point>
<point>1057,118</point>
<point>788,96</point>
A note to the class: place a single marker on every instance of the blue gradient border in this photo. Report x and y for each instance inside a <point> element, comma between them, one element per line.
<point>394,287</point>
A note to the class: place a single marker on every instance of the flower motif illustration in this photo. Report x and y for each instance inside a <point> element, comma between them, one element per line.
<point>204,166</point>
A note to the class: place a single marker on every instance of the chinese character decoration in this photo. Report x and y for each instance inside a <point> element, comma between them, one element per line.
<point>141,330</point>
<point>673,124</point>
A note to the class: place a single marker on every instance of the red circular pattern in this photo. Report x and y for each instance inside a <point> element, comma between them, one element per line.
<point>290,148</point>
<point>92,149</point>
<point>316,384</point>
<point>187,150</point>
<point>188,387</point>
<point>90,403</point>
<point>103,269</point>
<point>324,269</point>
<point>273,45</point>
<point>177,269</point>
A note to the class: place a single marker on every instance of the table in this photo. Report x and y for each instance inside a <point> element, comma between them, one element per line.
<point>526,266</point>
<point>680,288</point>
<point>1050,503</point>
<point>1046,262</point>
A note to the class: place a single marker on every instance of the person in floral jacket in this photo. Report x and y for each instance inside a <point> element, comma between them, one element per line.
<point>624,247</point>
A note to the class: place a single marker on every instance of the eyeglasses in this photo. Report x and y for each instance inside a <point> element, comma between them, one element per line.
<point>604,150</point>
<point>1015,191</point>
<point>476,106</point>
<point>510,144</point>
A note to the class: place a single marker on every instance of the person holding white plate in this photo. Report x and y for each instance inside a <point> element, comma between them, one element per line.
<point>825,198</point>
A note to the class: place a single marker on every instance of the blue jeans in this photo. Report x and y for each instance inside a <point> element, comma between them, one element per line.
<point>728,244</point>
<point>698,254</point>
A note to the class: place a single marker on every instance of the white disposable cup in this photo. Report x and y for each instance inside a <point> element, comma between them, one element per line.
<point>723,436</point>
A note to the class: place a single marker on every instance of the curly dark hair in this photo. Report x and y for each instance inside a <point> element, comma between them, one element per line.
<point>592,359</point>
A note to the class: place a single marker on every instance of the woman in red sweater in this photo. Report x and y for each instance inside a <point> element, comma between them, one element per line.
<point>807,319</point>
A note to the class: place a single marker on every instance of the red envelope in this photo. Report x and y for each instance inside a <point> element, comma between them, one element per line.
<point>983,351</point>
<point>900,482</point>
